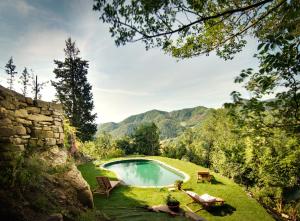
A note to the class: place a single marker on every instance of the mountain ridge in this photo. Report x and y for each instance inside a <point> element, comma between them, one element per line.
<point>170,124</point>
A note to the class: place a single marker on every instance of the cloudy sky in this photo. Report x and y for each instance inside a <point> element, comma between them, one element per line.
<point>126,80</point>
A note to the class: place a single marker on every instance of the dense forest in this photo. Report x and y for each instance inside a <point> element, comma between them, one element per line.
<point>170,124</point>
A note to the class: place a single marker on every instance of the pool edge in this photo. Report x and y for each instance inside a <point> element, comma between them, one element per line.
<point>186,176</point>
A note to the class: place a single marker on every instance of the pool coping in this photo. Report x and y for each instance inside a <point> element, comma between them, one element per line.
<point>186,176</point>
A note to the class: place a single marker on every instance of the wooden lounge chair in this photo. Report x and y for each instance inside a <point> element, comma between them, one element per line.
<point>105,185</point>
<point>203,175</point>
<point>205,200</point>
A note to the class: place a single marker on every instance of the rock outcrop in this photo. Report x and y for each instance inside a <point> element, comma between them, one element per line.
<point>33,131</point>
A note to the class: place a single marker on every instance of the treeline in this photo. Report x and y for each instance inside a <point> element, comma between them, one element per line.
<point>144,140</point>
<point>28,81</point>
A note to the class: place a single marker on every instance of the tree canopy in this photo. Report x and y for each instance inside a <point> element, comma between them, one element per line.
<point>190,28</point>
<point>278,78</point>
<point>74,91</point>
<point>146,139</point>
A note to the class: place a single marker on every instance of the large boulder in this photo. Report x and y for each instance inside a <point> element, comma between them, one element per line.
<point>83,192</point>
<point>70,183</point>
<point>55,156</point>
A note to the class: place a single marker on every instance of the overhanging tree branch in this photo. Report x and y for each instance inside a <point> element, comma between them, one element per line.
<point>246,28</point>
<point>226,12</point>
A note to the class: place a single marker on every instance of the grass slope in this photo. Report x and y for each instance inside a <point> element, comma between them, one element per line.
<point>124,202</point>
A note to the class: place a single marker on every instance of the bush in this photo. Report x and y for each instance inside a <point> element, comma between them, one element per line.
<point>114,152</point>
<point>168,149</point>
<point>31,173</point>
<point>102,147</point>
<point>172,203</point>
<point>126,144</point>
<point>70,133</point>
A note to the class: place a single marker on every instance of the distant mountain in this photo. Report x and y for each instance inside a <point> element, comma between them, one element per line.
<point>170,124</point>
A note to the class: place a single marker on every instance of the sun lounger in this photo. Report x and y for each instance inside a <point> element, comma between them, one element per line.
<point>205,200</point>
<point>105,185</point>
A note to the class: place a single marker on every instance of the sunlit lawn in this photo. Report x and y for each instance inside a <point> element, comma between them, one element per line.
<point>125,203</point>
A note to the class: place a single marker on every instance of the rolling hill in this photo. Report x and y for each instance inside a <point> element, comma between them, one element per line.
<point>170,124</point>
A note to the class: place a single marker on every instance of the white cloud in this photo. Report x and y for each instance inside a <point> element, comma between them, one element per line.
<point>120,91</point>
<point>20,6</point>
<point>41,45</point>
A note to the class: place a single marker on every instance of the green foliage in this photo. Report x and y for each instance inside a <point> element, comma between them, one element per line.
<point>126,144</point>
<point>31,173</point>
<point>271,127</point>
<point>171,201</point>
<point>170,124</point>
<point>69,132</point>
<point>62,168</point>
<point>102,147</point>
<point>74,91</point>
<point>189,28</point>
<point>212,144</point>
<point>146,139</point>
<point>277,77</point>
<point>143,140</point>
<point>267,164</point>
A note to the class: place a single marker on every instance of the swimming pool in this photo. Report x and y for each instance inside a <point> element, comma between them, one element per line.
<point>145,173</point>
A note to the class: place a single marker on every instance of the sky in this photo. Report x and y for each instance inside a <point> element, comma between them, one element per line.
<point>126,80</point>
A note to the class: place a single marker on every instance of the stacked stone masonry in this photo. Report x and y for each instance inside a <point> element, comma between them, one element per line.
<point>26,124</point>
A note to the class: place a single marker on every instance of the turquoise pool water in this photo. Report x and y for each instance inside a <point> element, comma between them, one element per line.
<point>144,173</point>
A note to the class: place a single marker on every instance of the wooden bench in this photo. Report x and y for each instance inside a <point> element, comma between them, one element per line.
<point>105,185</point>
<point>203,176</point>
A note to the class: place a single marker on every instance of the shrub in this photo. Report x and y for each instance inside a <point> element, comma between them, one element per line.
<point>102,147</point>
<point>126,144</point>
<point>31,172</point>
<point>69,132</point>
<point>172,203</point>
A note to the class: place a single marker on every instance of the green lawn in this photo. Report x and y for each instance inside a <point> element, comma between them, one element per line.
<point>125,202</point>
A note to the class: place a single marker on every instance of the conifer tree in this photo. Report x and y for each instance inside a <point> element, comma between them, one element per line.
<point>74,91</point>
<point>25,81</point>
<point>10,70</point>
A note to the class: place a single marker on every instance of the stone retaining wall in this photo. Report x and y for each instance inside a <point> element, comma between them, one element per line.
<point>25,124</point>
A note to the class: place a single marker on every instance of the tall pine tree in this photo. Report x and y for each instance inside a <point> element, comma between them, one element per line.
<point>25,81</point>
<point>74,91</point>
<point>10,70</point>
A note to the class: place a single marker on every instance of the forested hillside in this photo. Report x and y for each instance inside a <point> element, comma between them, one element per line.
<point>170,124</point>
